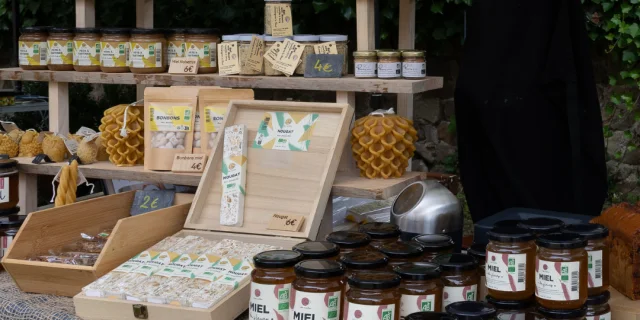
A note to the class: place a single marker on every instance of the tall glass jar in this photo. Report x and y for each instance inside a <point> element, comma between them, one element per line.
<point>60,46</point>
<point>510,266</point>
<point>421,287</point>
<point>598,251</point>
<point>349,241</point>
<point>381,232</point>
<point>460,277</point>
<point>271,283</point>
<point>373,295</point>
<point>115,50</point>
<point>176,44</point>
<point>318,290</point>
<point>317,250</point>
<point>86,50</point>
<point>268,9</point>
<point>598,307</point>
<point>342,46</point>
<point>33,48</point>
<point>148,48</point>
<point>203,44</point>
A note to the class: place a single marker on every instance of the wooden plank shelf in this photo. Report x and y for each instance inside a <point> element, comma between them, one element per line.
<point>348,83</point>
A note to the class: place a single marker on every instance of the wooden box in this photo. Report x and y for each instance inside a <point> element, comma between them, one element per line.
<point>285,182</point>
<point>56,227</point>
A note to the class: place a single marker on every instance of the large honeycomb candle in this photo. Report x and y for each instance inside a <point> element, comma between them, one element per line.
<point>123,151</point>
<point>382,145</point>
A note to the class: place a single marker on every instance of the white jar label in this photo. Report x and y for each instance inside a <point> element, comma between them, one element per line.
<point>114,54</point>
<point>411,304</point>
<point>206,52</point>
<point>557,281</point>
<point>311,305</point>
<point>455,294</point>
<point>506,272</point>
<point>366,69</point>
<point>86,53</point>
<point>60,52</point>
<point>269,301</point>
<point>356,311</point>
<point>5,242</point>
<point>414,69</point>
<point>595,268</point>
<point>146,55</point>
<point>389,69</point>
<point>32,53</point>
<point>512,316</point>
<point>4,190</point>
<point>606,316</point>
<point>175,50</point>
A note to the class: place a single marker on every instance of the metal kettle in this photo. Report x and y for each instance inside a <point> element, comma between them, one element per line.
<point>427,207</point>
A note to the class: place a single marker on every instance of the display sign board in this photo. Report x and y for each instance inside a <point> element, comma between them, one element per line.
<point>324,66</point>
<point>189,163</point>
<point>145,201</point>
<point>186,65</point>
<point>286,222</point>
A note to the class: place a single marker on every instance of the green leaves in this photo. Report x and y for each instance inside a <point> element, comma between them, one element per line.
<point>437,6</point>
<point>629,56</point>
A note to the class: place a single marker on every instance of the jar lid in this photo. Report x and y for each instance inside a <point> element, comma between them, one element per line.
<point>87,30</point>
<point>401,250</point>
<point>511,304</point>
<point>13,220</point>
<point>8,163</point>
<point>590,231</point>
<point>542,225</point>
<point>467,310</point>
<point>146,31</point>
<point>274,39</point>
<point>333,37</point>
<point>319,269</point>
<point>365,54</point>
<point>306,37</point>
<point>561,241</point>
<point>10,211</point>
<point>380,230</point>
<point>413,53</point>
<point>40,29</point>
<point>317,249</point>
<point>510,234</point>
<point>61,30</point>
<point>434,242</point>
<point>364,260</point>
<point>374,280</point>
<point>388,53</point>
<point>230,37</point>
<point>175,30</point>
<point>428,316</point>
<point>598,299</point>
<point>455,262</point>
<point>277,259</point>
<point>349,239</point>
<point>116,30</point>
<point>248,37</point>
<point>204,31</point>
<point>418,270</point>
<point>506,223</point>
<point>478,251</point>
<point>562,314</point>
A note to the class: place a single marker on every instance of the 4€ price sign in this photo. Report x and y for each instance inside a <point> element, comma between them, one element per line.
<point>324,66</point>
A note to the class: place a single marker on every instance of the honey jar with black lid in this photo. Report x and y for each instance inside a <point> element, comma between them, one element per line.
<point>401,252</point>
<point>510,263</point>
<point>318,290</point>
<point>373,295</point>
<point>421,287</point>
<point>349,241</point>
<point>317,250</point>
<point>381,232</point>
<point>460,277</point>
<point>598,250</point>
<point>271,283</point>
<point>364,261</point>
<point>434,245</point>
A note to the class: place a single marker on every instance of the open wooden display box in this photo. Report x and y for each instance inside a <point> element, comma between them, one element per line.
<point>284,182</point>
<point>53,228</point>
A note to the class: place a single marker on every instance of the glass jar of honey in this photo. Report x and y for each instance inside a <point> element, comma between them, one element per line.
<point>349,241</point>
<point>401,252</point>
<point>60,44</point>
<point>33,48</point>
<point>434,245</point>
<point>318,290</point>
<point>460,277</point>
<point>472,310</point>
<point>510,264</point>
<point>271,283</point>
<point>317,250</point>
<point>381,232</point>
<point>540,226</point>
<point>9,188</point>
<point>364,261</point>
<point>598,251</point>
<point>421,287</point>
<point>373,295</point>
<point>552,314</point>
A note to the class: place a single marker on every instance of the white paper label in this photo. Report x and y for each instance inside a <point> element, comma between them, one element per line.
<point>5,242</point>
<point>506,272</point>
<point>414,69</point>
<point>606,316</point>
<point>146,55</point>
<point>595,269</point>
<point>366,69</point>
<point>512,316</point>
<point>269,301</point>
<point>416,303</point>
<point>32,53</point>
<point>114,54</point>
<point>389,69</point>
<point>206,52</point>
<point>310,305</point>
<point>455,294</point>
<point>86,53</point>
<point>4,190</point>
<point>60,52</point>
<point>557,281</point>
<point>356,311</point>
<point>175,50</point>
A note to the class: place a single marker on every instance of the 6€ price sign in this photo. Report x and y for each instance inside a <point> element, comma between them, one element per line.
<point>151,200</point>
<point>185,65</point>
<point>286,222</point>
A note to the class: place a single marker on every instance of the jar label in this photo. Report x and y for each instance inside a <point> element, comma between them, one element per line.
<point>366,69</point>
<point>114,54</point>
<point>455,294</point>
<point>269,301</point>
<point>32,53</point>
<point>355,311</point>
<point>4,190</point>
<point>595,268</point>
<point>389,69</point>
<point>606,316</point>
<point>557,281</point>
<point>86,53</point>
<point>175,50</point>
<point>414,69</point>
<point>5,241</point>
<point>311,305</point>
<point>206,52</point>
<point>416,303</point>
<point>146,55</point>
<point>506,272</point>
<point>512,316</point>
<point>60,52</point>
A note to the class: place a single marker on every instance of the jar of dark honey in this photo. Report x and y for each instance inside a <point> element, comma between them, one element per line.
<point>317,250</point>
<point>373,295</point>
<point>271,283</point>
<point>318,290</point>
<point>598,251</point>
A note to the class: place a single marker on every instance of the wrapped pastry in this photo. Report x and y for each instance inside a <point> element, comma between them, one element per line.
<point>8,145</point>
<point>30,144</point>
<point>54,147</point>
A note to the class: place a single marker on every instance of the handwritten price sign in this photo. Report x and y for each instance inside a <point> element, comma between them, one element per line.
<point>186,65</point>
<point>146,201</point>
<point>324,66</point>
<point>286,222</point>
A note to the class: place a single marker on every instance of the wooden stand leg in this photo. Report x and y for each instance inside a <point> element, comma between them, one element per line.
<point>326,225</point>
<point>347,164</point>
<point>28,193</point>
<point>59,107</point>
<point>85,13</point>
<point>144,19</point>
<point>365,15</point>
<point>407,34</point>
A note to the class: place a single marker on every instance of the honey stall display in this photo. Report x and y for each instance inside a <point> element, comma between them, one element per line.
<point>318,290</point>
<point>421,287</point>
<point>373,295</point>
<point>510,264</point>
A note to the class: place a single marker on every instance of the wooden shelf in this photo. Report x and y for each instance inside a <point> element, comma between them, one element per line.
<point>348,83</point>
<point>348,185</point>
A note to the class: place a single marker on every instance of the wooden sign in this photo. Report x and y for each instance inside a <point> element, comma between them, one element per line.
<point>187,65</point>
<point>324,66</point>
<point>187,162</point>
<point>146,201</point>
<point>286,222</point>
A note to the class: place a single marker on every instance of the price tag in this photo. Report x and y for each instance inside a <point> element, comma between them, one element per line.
<point>229,58</point>
<point>286,222</point>
<point>256,51</point>
<point>281,21</point>
<point>325,48</point>
<point>184,162</point>
<point>289,57</point>
<point>186,65</point>
<point>146,201</point>
<point>324,66</point>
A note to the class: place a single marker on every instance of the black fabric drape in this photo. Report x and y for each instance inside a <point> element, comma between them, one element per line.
<point>527,112</point>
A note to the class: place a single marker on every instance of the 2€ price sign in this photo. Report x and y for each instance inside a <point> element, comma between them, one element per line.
<point>151,200</point>
<point>286,222</point>
<point>324,66</point>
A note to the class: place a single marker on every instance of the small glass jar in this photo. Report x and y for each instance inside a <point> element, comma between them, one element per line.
<point>460,277</point>
<point>389,64</point>
<point>570,314</point>
<point>271,282</point>
<point>10,185</point>
<point>373,295</point>
<point>561,271</point>
<point>269,42</point>
<point>318,290</point>
<point>202,44</point>
<point>115,50</point>
<point>349,241</point>
<point>359,261</point>
<point>176,44</point>
<point>60,46</point>
<point>434,245</point>
<point>244,48</point>
<point>365,64</point>
<point>510,263</point>
<point>598,251</point>
<point>86,50</point>
<point>471,310</point>
<point>421,287</point>
<point>540,226</point>
<point>598,306</point>
<point>317,250</point>
<point>414,64</point>
<point>511,309</point>
<point>308,40</point>
<point>268,9</point>
<point>381,233</point>
<point>147,51</point>
<point>479,252</point>
<point>401,252</point>
<point>9,227</point>
<point>429,316</point>
<point>342,46</point>
<point>33,48</point>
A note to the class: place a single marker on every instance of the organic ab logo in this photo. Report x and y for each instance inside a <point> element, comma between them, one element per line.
<point>333,302</point>
<point>471,296</point>
<point>387,315</point>
<point>283,294</point>
<point>426,306</point>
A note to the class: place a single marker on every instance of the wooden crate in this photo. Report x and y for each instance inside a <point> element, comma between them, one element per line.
<point>53,228</point>
<point>277,182</point>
